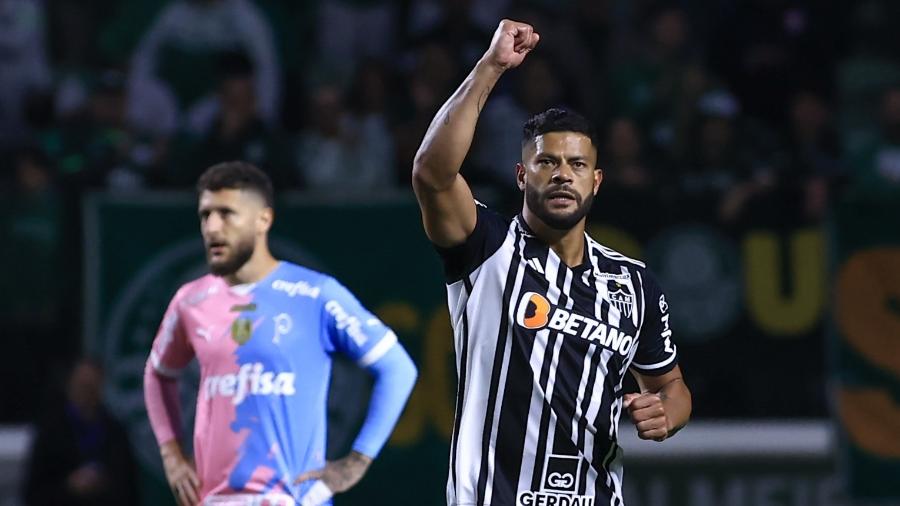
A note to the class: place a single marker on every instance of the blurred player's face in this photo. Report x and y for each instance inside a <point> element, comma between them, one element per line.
<point>85,387</point>
<point>559,176</point>
<point>231,221</point>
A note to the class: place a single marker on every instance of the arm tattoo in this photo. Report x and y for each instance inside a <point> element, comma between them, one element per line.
<point>447,117</point>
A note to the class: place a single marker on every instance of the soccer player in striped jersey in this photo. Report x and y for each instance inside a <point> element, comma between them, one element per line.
<point>546,320</point>
<point>264,332</point>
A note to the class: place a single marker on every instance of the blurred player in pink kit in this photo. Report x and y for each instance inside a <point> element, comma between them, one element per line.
<point>263,332</point>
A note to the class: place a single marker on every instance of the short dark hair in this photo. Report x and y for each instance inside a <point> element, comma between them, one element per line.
<point>237,175</point>
<point>557,120</point>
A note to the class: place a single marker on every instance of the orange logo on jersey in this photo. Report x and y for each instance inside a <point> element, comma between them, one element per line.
<point>541,311</point>
<point>535,312</point>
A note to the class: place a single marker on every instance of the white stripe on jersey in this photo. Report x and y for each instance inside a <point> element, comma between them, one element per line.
<point>599,382</point>
<point>536,360</point>
<point>551,379</point>
<point>511,310</point>
<point>485,299</point>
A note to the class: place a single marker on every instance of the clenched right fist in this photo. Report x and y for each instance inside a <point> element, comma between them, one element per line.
<point>511,42</point>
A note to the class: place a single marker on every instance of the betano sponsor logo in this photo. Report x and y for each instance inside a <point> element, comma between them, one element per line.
<point>251,379</point>
<point>536,312</point>
<point>530,498</point>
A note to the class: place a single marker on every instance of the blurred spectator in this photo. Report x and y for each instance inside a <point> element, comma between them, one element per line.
<point>178,53</point>
<point>569,49</point>
<point>31,289</point>
<point>228,127</point>
<point>96,144</point>
<point>342,150</point>
<point>593,22</point>
<point>813,162</point>
<point>660,85</point>
<point>353,30</point>
<point>429,82</point>
<point>81,455</point>
<point>33,225</point>
<point>622,158</point>
<point>24,69</point>
<point>718,163</point>
<point>452,23</point>
<point>877,166</point>
<point>369,119</point>
<point>768,48</point>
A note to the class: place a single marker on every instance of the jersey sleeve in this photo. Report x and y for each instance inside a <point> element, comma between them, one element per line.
<point>351,329</point>
<point>171,351</point>
<point>656,353</point>
<point>489,233</point>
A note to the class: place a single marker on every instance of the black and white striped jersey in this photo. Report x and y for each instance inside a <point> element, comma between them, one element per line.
<point>541,353</point>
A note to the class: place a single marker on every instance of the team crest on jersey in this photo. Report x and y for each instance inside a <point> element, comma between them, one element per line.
<point>241,330</point>
<point>620,297</point>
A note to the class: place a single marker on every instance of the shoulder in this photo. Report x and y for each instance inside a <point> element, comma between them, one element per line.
<point>298,281</point>
<point>196,291</point>
<point>614,262</point>
<point>610,255</point>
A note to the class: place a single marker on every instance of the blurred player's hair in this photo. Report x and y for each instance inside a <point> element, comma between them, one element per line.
<point>557,120</point>
<point>237,175</point>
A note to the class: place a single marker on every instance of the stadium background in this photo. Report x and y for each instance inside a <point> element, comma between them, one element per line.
<point>751,154</point>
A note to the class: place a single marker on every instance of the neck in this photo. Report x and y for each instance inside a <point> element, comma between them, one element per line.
<point>567,244</point>
<point>259,266</point>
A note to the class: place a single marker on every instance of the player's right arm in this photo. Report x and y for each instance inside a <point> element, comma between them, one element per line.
<point>170,353</point>
<point>448,208</point>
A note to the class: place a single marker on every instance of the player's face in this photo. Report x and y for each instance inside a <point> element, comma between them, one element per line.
<point>559,176</point>
<point>230,223</point>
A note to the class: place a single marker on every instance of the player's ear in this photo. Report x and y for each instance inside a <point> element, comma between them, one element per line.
<point>598,179</point>
<point>264,219</point>
<point>520,176</point>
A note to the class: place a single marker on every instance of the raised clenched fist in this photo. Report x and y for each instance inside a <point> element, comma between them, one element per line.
<point>511,42</point>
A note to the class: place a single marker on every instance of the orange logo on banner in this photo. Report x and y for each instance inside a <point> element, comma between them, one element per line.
<point>867,286</point>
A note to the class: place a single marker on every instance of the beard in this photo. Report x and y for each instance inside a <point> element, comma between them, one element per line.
<point>537,203</point>
<point>241,252</point>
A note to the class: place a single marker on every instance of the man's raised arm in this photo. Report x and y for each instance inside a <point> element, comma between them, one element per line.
<point>448,208</point>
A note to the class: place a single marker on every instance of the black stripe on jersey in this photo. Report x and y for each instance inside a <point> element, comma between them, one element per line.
<point>568,378</point>
<point>604,444</point>
<point>461,388</point>
<point>498,365</point>
<point>605,452</point>
<point>541,450</point>
<point>583,421</point>
<point>510,441</point>
<point>604,448</point>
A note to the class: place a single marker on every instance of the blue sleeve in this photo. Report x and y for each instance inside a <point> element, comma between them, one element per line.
<point>354,331</point>
<point>395,375</point>
<point>351,329</point>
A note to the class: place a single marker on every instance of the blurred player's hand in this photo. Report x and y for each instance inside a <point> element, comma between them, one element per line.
<point>85,480</point>
<point>648,414</point>
<point>180,474</point>
<point>511,42</point>
<point>337,475</point>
